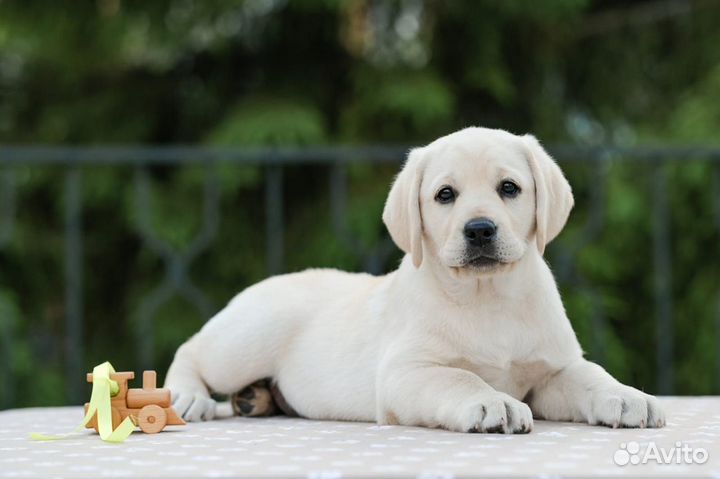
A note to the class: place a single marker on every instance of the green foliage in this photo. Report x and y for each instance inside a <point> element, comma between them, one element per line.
<point>396,105</point>
<point>696,119</point>
<point>296,73</point>
<point>271,122</point>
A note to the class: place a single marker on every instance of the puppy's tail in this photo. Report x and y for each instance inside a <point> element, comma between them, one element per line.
<point>224,410</point>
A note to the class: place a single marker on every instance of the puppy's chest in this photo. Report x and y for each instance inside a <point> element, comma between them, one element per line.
<point>500,337</point>
<point>516,378</point>
<point>510,355</point>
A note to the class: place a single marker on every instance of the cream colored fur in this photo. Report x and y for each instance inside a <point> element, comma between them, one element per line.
<point>436,342</point>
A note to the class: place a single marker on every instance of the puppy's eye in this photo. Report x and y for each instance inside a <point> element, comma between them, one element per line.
<point>445,195</point>
<point>509,189</point>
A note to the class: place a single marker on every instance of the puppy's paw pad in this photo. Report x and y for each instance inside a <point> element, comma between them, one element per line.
<point>254,400</point>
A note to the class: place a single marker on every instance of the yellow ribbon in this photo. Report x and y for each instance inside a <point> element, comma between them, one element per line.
<point>103,389</point>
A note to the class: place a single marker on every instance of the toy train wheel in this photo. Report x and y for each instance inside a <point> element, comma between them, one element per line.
<point>152,419</point>
<point>116,420</point>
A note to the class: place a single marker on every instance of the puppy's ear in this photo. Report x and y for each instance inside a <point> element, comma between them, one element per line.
<point>553,196</point>
<point>402,215</point>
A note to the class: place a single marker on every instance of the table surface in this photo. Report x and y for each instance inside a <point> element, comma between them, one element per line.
<point>288,447</point>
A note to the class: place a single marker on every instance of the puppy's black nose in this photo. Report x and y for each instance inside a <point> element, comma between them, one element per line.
<point>480,231</point>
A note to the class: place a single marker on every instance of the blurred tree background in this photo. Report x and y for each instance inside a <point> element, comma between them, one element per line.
<point>319,72</point>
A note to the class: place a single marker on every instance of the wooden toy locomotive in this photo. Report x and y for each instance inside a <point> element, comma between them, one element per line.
<point>149,407</point>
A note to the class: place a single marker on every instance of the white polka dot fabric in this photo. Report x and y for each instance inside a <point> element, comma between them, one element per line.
<point>283,447</point>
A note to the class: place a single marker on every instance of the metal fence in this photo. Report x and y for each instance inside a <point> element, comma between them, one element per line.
<point>72,161</point>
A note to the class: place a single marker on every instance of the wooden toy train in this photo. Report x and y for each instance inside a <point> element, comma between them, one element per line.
<point>148,407</point>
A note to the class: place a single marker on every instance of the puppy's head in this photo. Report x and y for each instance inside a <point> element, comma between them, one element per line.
<point>477,199</point>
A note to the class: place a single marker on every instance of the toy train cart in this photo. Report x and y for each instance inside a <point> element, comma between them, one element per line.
<point>148,407</point>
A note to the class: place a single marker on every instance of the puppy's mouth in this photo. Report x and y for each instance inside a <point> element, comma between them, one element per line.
<point>482,262</point>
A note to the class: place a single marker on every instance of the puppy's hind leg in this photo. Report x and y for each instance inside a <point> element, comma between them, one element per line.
<point>190,396</point>
<point>235,348</point>
<point>241,344</point>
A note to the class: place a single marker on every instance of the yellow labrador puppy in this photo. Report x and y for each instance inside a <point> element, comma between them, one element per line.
<point>468,334</point>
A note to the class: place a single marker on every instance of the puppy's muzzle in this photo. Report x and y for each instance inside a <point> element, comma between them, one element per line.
<point>480,235</point>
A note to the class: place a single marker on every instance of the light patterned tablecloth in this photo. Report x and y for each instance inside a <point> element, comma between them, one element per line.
<point>285,447</point>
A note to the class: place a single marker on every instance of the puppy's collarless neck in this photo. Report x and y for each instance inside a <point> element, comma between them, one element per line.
<point>464,289</point>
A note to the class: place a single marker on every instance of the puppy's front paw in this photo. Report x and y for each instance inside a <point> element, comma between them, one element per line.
<point>495,412</point>
<point>193,406</point>
<point>626,407</point>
